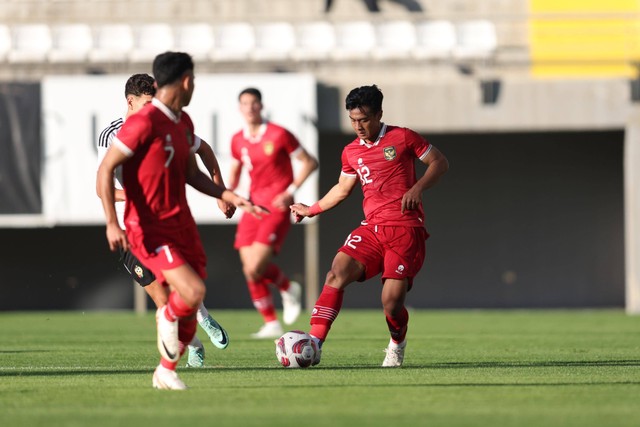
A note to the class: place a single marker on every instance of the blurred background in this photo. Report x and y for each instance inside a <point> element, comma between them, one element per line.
<point>534,102</point>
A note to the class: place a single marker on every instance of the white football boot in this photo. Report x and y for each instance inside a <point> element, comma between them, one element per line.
<point>168,342</point>
<point>291,305</point>
<point>166,379</point>
<point>195,353</point>
<point>271,329</point>
<point>395,354</point>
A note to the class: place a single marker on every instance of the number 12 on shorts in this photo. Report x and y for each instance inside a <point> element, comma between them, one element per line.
<point>352,240</point>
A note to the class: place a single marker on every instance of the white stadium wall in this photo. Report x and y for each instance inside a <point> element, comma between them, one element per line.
<point>76,108</point>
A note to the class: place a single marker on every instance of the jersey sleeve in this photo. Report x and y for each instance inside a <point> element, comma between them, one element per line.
<point>346,166</point>
<point>133,134</point>
<point>291,143</point>
<point>417,143</point>
<point>235,151</point>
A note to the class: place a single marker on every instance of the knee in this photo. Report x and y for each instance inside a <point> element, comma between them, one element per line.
<point>251,272</point>
<point>195,294</point>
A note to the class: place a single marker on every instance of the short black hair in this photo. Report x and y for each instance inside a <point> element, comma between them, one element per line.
<point>169,67</point>
<point>365,96</point>
<point>251,91</point>
<point>139,84</point>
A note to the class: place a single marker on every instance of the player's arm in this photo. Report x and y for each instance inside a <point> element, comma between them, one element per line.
<point>234,174</point>
<point>210,162</point>
<point>308,164</point>
<point>333,198</point>
<point>437,165</point>
<point>106,191</point>
<point>198,180</point>
<point>119,194</point>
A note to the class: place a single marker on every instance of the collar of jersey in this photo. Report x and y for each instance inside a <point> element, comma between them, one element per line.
<point>383,130</point>
<point>166,110</point>
<point>255,139</point>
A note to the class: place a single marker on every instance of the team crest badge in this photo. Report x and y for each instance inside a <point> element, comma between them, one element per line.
<point>268,148</point>
<point>138,271</point>
<point>389,153</point>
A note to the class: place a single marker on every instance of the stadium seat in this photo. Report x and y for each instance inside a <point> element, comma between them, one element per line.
<point>233,41</point>
<point>274,41</point>
<point>5,42</point>
<point>435,40</point>
<point>149,40</point>
<point>112,43</point>
<point>195,39</point>
<point>31,43</point>
<point>71,43</point>
<point>314,41</point>
<point>476,40</point>
<point>354,40</point>
<point>395,40</point>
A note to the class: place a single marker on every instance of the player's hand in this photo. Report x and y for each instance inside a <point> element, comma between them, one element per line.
<point>227,209</point>
<point>255,210</point>
<point>299,211</point>
<point>411,200</point>
<point>282,201</point>
<point>116,238</point>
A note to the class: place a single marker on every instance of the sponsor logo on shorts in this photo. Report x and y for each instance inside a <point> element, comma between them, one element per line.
<point>272,237</point>
<point>139,271</point>
<point>400,269</point>
<point>389,153</point>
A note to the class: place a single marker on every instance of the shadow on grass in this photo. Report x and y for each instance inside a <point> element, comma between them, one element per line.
<point>62,371</point>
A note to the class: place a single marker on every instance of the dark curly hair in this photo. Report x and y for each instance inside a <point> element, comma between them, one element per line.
<point>139,84</point>
<point>365,96</point>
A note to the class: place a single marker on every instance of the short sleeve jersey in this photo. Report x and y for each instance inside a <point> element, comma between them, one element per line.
<point>267,158</point>
<point>386,170</point>
<point>158,144</point>
<point>104,142</point>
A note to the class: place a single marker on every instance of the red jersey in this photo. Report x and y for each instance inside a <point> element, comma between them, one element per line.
<point>387,171</point>
<point>267,158</point>
<point>158,144</point>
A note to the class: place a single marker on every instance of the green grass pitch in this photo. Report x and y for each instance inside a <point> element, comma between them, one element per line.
<point>462,368</point>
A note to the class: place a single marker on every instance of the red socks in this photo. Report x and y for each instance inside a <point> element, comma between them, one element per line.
<point>398,325</point>
<point>274,275</point>
<point>262,300</point>
<point>325,311</point>
<point>177,309</point>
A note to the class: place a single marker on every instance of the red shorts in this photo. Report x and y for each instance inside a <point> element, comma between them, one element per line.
<point>396,252</point>
<point>271,229</point>
<point>159,249</point>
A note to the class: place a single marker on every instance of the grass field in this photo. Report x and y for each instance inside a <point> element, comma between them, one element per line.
<point>462,368</point>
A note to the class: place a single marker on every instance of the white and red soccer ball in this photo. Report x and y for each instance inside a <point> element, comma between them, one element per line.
<point>296,349</point>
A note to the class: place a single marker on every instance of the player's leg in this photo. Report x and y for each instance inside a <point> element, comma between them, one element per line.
<point>217,334</point>
<point>344,270</point>
<point>177,323</point>
<point>403,258</point>
<point>394,292</point>
<point>255,258</point>
<point>272,232</point>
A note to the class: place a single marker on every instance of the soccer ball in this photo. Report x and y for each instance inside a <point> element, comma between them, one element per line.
<point>296,349</point>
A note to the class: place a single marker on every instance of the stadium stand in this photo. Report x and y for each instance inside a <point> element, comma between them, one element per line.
<point>434,39</point>
<point>197,39</point>
<point>71,43</point>
<point>395,40</point>
<point>112,43</point>
<point>234,41</point>
<point>274,41</point>
<point>149,40</point>
<point>314,41</point>
<point>30,43</point>
<point>355,40</point>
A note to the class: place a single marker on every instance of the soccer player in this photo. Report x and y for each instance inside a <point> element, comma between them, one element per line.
<point>391,239</point>
<point>266,151</point>
<point>156,149</point>
<point>139,90</point>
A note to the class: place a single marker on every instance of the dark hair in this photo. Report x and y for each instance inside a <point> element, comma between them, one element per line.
<point>251,91</point>
<point>365,96</point>
<point>169,67</point>
<point>139,84</point>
